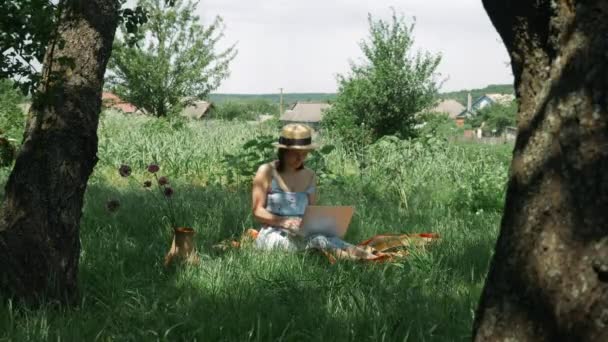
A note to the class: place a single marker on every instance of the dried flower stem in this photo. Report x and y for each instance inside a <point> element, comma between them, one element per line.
<point>168,198</point>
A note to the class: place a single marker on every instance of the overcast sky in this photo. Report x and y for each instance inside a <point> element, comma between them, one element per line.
<point>300,45</point>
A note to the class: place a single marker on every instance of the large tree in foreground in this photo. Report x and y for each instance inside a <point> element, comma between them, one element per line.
<point>175,61</point>
<point>548,280</point>
<point>40,215</point>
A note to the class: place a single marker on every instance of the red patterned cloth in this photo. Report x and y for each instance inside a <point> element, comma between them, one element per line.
<point>385,247</point>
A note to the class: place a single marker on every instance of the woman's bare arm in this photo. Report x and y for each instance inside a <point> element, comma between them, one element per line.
<point>261,183</point>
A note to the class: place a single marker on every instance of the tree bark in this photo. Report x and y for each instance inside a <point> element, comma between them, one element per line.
<point>548,280</point>
<point>40,217</point>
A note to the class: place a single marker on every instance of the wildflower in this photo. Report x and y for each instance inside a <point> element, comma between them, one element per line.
<point>165,191</point>
<point>153,168</point>
<point>163,180</point>
<point>112,205</point>
<point>124,170</point>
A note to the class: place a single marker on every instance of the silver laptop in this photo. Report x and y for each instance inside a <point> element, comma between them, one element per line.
<point>326,220</point>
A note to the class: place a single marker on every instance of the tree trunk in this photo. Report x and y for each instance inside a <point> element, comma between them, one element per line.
<point>548,279</point>
<point>40,218</point>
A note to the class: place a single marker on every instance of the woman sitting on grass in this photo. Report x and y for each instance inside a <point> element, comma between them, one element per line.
<point>281,191</point>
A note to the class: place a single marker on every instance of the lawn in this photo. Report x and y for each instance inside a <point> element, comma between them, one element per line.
<point>426,185</point>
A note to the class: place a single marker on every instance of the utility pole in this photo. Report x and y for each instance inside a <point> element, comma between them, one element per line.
<point>281,103</point>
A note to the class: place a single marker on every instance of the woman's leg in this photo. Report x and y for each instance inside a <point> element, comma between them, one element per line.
<point>273,238</point>
<point>339,248</point>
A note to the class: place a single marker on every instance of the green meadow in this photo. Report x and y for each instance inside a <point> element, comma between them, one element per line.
<point>430,184</point>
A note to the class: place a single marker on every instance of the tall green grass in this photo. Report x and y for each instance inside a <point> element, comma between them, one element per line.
<point>247,295</point>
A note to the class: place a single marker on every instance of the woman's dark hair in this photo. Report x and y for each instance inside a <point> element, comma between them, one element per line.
<point>282,153</point>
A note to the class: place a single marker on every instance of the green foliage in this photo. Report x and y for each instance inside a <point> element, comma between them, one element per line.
<point>132,19</point>
<point>481,189</point>
<point>470,178</point>
<point>243,165</point>
<point>28,27</point>
<point>495,118</point>
<point>179,62</point>
<point>382,96</point>
<point>12,118</point>
<point>243,110</point>
<point>165,125</point>
<point>261,106</point>
<point>438,125</point>
<point>7,152</point>
<point>461,95</point>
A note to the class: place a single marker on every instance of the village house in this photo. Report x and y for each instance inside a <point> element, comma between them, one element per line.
<point>482,102</point>
<point>450,107</point>
<point>197,110</point>
<point>509,134</point>
<point>111,100</point>
<point>309,113</point>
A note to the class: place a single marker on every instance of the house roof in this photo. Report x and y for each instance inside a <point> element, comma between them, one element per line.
<point>112,100</point>
<point>450,107</point>
<point>197,109</point>
<point>494,98</point>
<point>109,97</point>
<point>305,112</point>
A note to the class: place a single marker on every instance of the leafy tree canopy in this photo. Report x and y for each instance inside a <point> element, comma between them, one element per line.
<point>174,61</point>
<point>244,110</point>
<point>382,95</point>
<point>29,27</point>
<point>12,118</point>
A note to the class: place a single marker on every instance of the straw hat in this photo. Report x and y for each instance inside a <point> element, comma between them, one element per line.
<point>296,137</point>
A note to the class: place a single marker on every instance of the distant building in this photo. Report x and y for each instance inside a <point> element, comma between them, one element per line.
<point>197,110</point>
<point>310,113</point>
<point>450,107</point>
<point>110,100</point>
<point>483,102</point>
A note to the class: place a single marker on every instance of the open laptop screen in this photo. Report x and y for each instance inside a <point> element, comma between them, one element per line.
<point>326,220</point>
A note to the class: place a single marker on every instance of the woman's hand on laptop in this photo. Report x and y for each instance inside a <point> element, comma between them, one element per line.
<point>291,223</point>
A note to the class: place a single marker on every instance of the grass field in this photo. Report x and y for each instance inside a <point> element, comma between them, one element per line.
<point>244,295</point>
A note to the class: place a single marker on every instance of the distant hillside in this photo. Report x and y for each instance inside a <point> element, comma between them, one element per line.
<point>287,97</point>
<point>461,95</point>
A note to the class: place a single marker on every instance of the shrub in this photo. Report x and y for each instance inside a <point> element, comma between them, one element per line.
<point>12,118</point>
<point>382,96</point>
<point>242,165</point>
<point>496,117</point>
<point>243,111</point>
<point>176,58</point>
<point>438,125</point>
<point>12,122</point>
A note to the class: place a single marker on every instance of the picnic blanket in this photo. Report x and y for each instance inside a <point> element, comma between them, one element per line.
<point>385,247</point>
